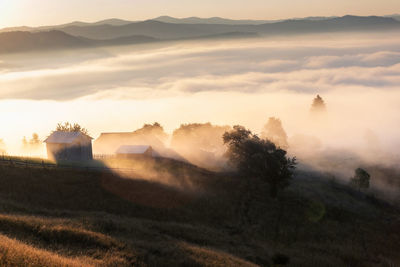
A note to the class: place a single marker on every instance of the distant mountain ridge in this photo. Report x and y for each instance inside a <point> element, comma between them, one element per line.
<point>168,19</point>
<point>113,22</point>
<point>120,32</point>
<point>213,20</point>
<point>171,31</point>
<point>395,16</point>
<point>219,20</point>
<point>14,42</point>
<point>11,42</point>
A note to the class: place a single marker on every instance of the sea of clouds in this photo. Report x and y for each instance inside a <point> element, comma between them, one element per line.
<point>241,81</point>
<point>301,65</point>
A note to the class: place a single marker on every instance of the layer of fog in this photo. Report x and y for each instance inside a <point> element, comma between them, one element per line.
<point>301,64</point>
<point>223,82</point>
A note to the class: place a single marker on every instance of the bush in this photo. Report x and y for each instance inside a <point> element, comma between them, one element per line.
<point>361,179</point>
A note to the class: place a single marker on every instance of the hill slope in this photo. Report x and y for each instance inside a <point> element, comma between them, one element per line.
<point>13,42</point>
<point>27,41</point>
<point>51,217</point>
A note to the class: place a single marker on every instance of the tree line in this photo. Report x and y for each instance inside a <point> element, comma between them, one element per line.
<point>261,157</point>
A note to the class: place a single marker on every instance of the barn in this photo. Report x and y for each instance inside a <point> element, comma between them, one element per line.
<point>136,152</point>
<point>73,146</point>
<point>108,143</point>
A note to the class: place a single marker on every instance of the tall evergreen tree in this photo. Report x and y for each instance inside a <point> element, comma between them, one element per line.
<point>318,105</point>
<point>274,132</point>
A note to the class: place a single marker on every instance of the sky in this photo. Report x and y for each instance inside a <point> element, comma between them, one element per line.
<point>50,12</point>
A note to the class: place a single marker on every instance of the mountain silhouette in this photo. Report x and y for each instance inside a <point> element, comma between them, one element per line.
<point>11,42</point>
<point>213,20</point>
<point>113,22</point>
<point>120,32</point>
<point>171,31</point>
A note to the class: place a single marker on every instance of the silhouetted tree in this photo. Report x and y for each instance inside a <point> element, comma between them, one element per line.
<point>154,129</point>
<point>68,127</point>
<point>34,140</point>
<point>274,132</point>
<point>33,144</point>
<point>318,105</point>
<point>361,179</point>
<point>258,158</point>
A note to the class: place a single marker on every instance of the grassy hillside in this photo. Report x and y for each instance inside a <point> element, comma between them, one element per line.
<point>55,217</point>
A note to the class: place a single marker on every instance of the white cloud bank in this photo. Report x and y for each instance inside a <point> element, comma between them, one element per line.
<point>225,82</point>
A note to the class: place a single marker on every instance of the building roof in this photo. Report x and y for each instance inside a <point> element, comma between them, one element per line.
<point>59,137</point>
<point>132,149</point>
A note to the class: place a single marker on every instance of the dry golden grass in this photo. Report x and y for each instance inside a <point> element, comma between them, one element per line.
<point>79,218</point>
<point>16,253</point>
<point>212,257</point>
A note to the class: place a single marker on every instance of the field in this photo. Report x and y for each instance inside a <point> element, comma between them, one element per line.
<point>186,216</point>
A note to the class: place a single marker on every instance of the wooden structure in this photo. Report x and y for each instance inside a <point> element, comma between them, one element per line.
<point>108,143</point>
<point>71,146</point>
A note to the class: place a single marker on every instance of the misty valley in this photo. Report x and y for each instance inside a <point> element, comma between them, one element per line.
<point>201,142</point>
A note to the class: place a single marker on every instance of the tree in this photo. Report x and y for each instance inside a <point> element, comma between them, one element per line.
<point>33,144</point>
<point>361,179</point>
<point>318,105</point>
<point>203,136</point>
<point>259,158</point>
<point>154,129</point>
<point>201,144</point>
<point>2,147</point>
<point>274,132</point>
<point>34,140</point>
<point>68,127</point>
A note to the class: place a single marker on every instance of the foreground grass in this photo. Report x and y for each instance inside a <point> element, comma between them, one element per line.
<point>15,253</point>
<point>193,218</point>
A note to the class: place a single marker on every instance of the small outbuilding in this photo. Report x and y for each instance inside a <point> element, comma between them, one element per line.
<point>136,152</point>
<point>73,146</point>
<point>109,143</point>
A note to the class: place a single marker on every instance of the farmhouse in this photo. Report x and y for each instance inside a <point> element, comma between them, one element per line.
<point>136,152</point>
<point>74,146</point>
<point>108,143</point>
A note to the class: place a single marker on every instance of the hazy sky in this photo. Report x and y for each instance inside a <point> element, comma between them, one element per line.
<point>45,12</point>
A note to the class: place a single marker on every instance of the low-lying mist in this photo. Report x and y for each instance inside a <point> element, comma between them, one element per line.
<point>224,82</point>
